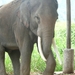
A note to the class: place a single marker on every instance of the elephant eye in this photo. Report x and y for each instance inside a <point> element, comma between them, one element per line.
<point>37,19</point>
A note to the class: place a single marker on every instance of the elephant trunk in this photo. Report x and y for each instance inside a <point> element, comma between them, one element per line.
<point>44,42</point>
<point>45,45</point>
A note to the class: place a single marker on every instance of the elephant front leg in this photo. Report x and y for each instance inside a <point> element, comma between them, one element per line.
<point>15,56</point>
<point>2,58</point>
<point>50,65</point>
<point>26,58</point>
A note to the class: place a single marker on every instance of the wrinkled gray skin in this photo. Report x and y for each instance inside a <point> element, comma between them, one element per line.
<point>21,22</point>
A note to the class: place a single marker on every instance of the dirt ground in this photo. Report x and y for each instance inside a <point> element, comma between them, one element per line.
<point>56,73</point>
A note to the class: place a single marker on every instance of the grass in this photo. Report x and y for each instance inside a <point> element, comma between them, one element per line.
<point>37,64</point>
<point>8,64</point>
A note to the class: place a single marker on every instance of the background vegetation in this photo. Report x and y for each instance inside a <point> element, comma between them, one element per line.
<point>37,64</point>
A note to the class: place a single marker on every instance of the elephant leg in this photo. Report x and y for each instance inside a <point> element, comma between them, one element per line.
<point>26,52</point>
<point>15,56</point>
<point>50,65</point>
<point>25,44</point>
<point>2,60</point>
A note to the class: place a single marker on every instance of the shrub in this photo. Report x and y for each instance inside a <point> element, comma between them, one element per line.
<point>60,37</point>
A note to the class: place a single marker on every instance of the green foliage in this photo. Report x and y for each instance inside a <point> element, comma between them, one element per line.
<point>60,37</point>
<point>8,64</point>
<point>37,64</point>
<point>73,35</point>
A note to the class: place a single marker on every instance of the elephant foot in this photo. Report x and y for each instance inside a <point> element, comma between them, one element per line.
<point>48,73</point>
<point>6,74</point>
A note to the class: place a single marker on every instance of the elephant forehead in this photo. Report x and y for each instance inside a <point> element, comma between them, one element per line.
<point>44,7</point>
<point>53,2</point>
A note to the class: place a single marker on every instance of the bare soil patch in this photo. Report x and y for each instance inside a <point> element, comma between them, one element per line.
<point>56,73</point>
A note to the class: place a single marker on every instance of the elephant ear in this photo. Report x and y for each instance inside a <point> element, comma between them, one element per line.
<point>25,14</point>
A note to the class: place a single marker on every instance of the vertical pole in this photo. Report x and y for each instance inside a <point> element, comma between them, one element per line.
<point>68,63</point>
<point>68,24</point>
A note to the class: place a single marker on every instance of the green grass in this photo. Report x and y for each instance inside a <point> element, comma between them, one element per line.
<point>8,64</point>
<point>37,64</point>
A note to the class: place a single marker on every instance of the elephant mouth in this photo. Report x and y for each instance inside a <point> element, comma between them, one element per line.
<point>40,48</point>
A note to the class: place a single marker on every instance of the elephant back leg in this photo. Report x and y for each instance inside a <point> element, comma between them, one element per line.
<point>2,60</point>
<point>15,56</point>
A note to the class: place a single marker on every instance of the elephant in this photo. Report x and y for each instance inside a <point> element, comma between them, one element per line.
<point>22,24</point>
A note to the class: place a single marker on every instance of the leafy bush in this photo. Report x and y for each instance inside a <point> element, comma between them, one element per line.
<point>37,64</point>
<point>8,64</point>
<point>60,37</point>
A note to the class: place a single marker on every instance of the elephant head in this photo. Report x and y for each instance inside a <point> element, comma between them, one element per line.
<point>40,17</point>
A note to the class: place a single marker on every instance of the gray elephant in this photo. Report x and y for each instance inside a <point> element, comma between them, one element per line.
<point>22,23</point>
